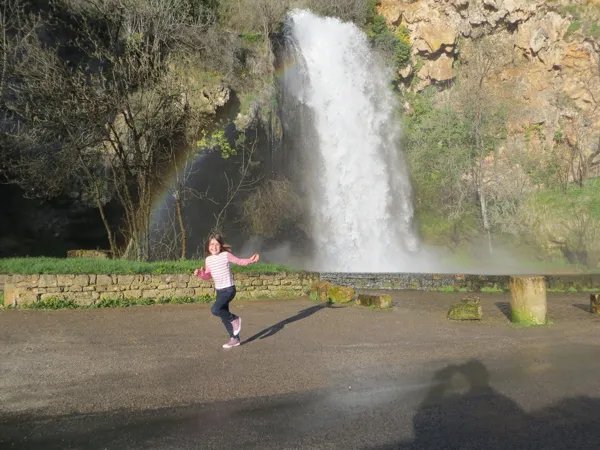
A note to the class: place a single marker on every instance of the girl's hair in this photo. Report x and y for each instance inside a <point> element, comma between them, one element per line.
<point>219,238</point>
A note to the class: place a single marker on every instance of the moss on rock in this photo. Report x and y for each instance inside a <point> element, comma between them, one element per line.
<point>340,294</point>
<point>376,301</point>
<point>469,308</point>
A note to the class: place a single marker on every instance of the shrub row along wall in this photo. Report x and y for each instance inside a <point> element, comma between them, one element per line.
<point>86,289</point>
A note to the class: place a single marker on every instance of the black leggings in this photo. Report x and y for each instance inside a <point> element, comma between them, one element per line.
<point>221,307</point>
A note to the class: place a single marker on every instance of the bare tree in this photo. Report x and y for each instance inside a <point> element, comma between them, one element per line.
<point>246,180</point>
<point>106,123</point>
<point>485,120</point>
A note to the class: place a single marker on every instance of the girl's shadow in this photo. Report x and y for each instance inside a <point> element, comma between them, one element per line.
<point>270,331</point>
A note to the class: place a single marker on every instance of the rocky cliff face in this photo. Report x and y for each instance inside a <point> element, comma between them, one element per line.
<point>554,48</point>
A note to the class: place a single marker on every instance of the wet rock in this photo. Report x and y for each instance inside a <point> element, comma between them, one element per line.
<point>340,294</point>
<point>469,308</point>
<point>377,301</point>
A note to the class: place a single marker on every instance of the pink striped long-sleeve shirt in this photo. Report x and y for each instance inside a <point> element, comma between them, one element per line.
<point>217,267</point>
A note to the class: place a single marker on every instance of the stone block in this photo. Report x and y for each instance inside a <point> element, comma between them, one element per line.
<point>198,292</point>
<point>168,293</point>
<point>377,301</point>
<point>47,281</point>
<point>194,282</point>
<point>104,280</point>
<point>10,294</point>
<point>163,287</point>
<point>338,294</point>
<point>74,289</point>
<point>468,308</point>
<point>82,298</point>
<point>152,293</point>
<point>111,295</point>
<point>28,298</point>
<point>166,279</point>
<point>64,280</point>
<point>126,279</point>
<point>257,283</point>
<point>132,293</point>
<point>184,277</point>
<point>89,288</point>
<point>178,293</point>
<point>81,280</point>
<point>25,280</point>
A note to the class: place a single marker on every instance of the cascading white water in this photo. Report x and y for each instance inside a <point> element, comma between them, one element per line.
<point>353,174</point>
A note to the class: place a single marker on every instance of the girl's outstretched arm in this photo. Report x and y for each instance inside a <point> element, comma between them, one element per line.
<point>201,273</point>
<point>242,261</point>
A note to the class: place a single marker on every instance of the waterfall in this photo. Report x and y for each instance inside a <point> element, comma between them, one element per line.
<point>340,117</point>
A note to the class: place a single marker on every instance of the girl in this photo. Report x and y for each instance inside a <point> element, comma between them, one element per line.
<point>217,267</point>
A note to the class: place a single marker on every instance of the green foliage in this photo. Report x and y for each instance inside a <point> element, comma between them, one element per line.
<point>402,48</point>
<point>115,266</point>
<point>217,141</point>
<point>574,198</point>
<point>54,303</point>
<point>395,43</point>
<point>438,154</point>
<point>251,38</point>
<point>570,219</point>
<point>584,19</point>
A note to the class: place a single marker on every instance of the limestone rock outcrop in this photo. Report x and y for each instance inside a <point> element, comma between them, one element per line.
<point>551,62</point>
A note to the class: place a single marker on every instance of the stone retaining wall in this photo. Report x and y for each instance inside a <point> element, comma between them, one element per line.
<point>86,289</point>
<point>437,281</point>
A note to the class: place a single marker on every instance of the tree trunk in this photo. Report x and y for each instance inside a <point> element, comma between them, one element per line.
<point>528,303</point>
<point>484,215</point>
<point>111,238</point>
<point>181,226</point>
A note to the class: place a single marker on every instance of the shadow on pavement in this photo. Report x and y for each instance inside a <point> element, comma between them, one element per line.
<point>480,418</point>
<point>483,418</point>
<point>583,306</point>
<point>303,314</point>
<point>504,308</point>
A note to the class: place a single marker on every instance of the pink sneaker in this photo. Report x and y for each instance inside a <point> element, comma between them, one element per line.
<point>232,342</point>
<point>237,326</point>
